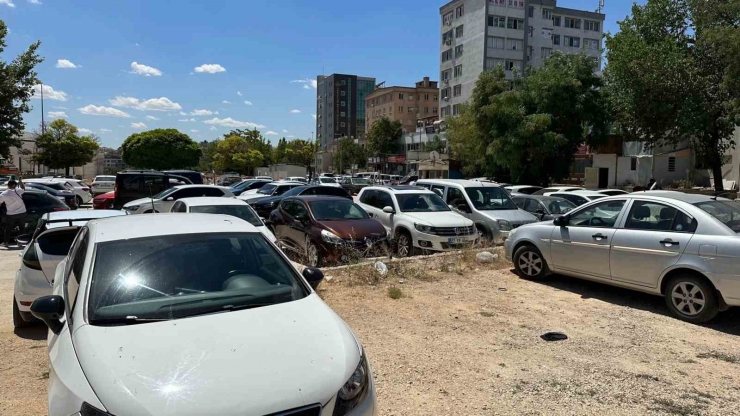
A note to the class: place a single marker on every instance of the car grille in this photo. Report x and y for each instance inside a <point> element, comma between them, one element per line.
<point>519,224</point>
<point>313,410</point>
<point>449,246</point>
<point>455,231</point>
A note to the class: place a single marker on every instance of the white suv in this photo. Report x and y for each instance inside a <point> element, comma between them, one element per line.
<point>417,218</point>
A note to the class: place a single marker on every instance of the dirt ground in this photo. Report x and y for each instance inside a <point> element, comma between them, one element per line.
<point>464,339</point>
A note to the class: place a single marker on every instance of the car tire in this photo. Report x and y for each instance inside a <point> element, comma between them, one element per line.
<point>78,200</point>
<point>684,295</point>
<point>529,263</point>
<point>111,205</point>
<point>486,239</point>
<point>404,246</point>
<point>313,254</point>
<point>18,321</point>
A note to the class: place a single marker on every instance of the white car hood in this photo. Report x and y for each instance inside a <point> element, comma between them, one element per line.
<point>251,362</point>
<point>140,201</point>
<point>252,197</point>
<point>439,219</point>
<point>250,192</point>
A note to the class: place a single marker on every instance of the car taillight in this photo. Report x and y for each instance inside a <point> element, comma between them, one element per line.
<point>60,209</point>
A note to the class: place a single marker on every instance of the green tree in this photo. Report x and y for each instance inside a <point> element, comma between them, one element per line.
<point>435,145</point>
<point>348,154</point>
<point>62,147</point>
<point>207,151</point>
<point>255,141</point>
<point>17,80</point>
<point>160,149</point>
<point>384,137</point>
<point>671,78</point>
<point>301,152</point>
<point>531,126</point>
<point>234,153</point>
<point>281,151</point>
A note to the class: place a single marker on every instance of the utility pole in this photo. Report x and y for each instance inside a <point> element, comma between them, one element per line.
<point>43,125</point>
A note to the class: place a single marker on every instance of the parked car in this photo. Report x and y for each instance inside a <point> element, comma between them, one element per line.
<point>196,178</point>
<point>103,184</point>
<point>37,204</point>
<point>269,178</point>
<point>417,219</point>
<point>487,204</point>
<point>408,180</point>
<point>522,189</point>
<point>296,179</point>
<point>683,247</point>
<point>46,246</point>
<point>137,184</point>
<point>543,207</point>
<point>57,190</point>
<point>248,185</point>
<point>354,185</point>
<point>81,190</point>
<point>264,206</point>
<point>327,229</point>
<point>611,192</point>
<point>164,308</point>
<point>326,181</point>
<point>271,189</point>
<point>163,201</point>
<point>578,198</point>
<point>552,189</point>
<point>104,201</point>
<point>228,180</point>
<point>224,206</point>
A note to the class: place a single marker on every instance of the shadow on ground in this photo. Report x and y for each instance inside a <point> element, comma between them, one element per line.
<point>37,332</point>
<point>727,321</point>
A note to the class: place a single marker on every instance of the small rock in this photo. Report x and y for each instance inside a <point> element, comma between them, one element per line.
<point>485,257</point>
<point>401,281</point>
<point>328,278</point>
<point>381,268</point>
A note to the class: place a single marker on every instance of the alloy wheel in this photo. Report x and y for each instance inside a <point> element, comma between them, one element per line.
<point>403,245</point>
<point>688,298</point>
<point>313,255</point>
<point>530,263</point>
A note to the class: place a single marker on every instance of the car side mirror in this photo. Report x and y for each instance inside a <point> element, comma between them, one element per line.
<point>463,207</point>
<point>389,210</point>
<point>561,221</point>
<point>313,276</point>
<point>23,239</point>
<point>49,309</point>
<point>540,213</point>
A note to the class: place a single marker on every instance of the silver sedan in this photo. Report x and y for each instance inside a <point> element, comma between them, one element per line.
<point>680,246</point>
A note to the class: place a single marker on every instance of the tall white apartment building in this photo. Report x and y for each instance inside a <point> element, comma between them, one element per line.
<point>478,35</point>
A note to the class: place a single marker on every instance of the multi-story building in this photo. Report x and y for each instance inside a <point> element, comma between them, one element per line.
<point>340,111</point>
<point>405,104</point>
<point>478,35</point>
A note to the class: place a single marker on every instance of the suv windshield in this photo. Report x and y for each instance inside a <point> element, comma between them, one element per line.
<point>337,210</point>
<point>490,198</point>
<point>421,203</point>
<point>239,211</point>
<point>728,213</point>
<point>360,181</point>
<point>164,193</point>
<point>327,180</point>
<point>267,189</point>
<point>176,276</point>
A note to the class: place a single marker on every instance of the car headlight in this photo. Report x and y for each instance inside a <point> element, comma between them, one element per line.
<point>504,225</point>
<point>88,410</point>
<point>427,229</point>
<point>330,237</point>
<point>355,390</point>
<point>132,208</point>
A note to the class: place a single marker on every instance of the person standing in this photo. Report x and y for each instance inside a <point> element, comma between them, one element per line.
<point>15,215</point>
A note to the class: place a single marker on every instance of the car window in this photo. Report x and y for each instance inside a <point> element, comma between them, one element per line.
<point>287,207</point>
<point>575,199</point>
<point>283,189</point>
<point>647,215</point>
<point>336,209</point>
<point>490,198</point>
<point>267,189</point>
<point>455,197</point>
<point>520,202</point>
<point>439,190</point>
<point>58,242</point>
<point>217,192</point>
<point>368,197</point>
<point>329,191</point>
<point>532,206</point>
<point>155,184</point>
<point>178,207</point>
<point>544,191</point>
<point>385,200</point>
<point>728,213</point>
<point>239,211</point>
<point>559,206</point>
<point>299,210</point>
<point>33,200</point>
<point>421,203</point>
<point>74,274</point>
<point>602,215</point>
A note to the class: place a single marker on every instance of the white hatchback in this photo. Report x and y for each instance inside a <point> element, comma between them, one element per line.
<point>225,206</point>
<point>152,315</point>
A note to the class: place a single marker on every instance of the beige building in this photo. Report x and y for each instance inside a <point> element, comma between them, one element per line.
<point>405,104</point>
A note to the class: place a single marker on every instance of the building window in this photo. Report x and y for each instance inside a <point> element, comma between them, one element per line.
<point>400,96</point>
<point>445,93</point>
<point>530,30</point>
<point>571,41</point>
<point>516,4</point>
<point>411,110</point>
<point>457,90</point>
<point>572,23</point>
<point>343,104</point>
<point>456,109</point>
<point>492,63</point>
<point>446,75</point>
<point>592,26</point>
<point>510,65</point>
<point>556,39</point>
<point>434,110</point>
<point>342,114</point>
<point>343,93</point>
<point>447,37</point>
<point>445,111</point>
<point>498,2</point>
<point>460,11</point>
<point>426,97</point>
<point>556,21</point>
<point>343,82</point>
<point>458,71</point>
<point>514,44</point>
<point>458,51</point>
<point>400,109</point>
<point>426,110</point>
<point>447,19</point>
<point>671,164</point>
<point>531,11</point>
<point>411,97</point>
<point>341,124</point>
<point>592,44</point>
<point>547,14</point>
<point>546,52</point>
<point>496,42</point>
<point>435,97</point>
<point>633,163</point>
<point>515,23</point>
<point>447,55</point>
<point>497,21</point>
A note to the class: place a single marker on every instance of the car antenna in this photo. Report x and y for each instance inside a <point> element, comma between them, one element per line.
<point>151,198</point>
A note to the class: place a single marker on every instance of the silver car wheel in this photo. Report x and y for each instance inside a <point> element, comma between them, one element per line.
<point>403,245</point>
<point>530,263</point>
<point>688,298</point>
<point>313,255</point>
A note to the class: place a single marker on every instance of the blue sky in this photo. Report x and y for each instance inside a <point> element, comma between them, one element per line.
<point>143,64</point>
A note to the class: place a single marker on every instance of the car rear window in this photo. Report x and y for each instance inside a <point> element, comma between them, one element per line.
<point>58,242</point>
<point>244,212</point>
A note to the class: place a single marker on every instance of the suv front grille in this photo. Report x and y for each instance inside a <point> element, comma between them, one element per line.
<point>312,410</point>
<point>455,231</point>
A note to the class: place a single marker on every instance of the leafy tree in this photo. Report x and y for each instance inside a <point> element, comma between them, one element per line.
<point>161,149</point>
<point>281,151</point>
<point>384,137</point>
<point>531,126</point>
<point>234,153</point>
<point>301,152</point>
<point>671,78</point>
<point>348,154</point>
<point>207,151</point>
<point>17,80</point>
<point>256,141</point>
<point>62,147</point>
<point>435,145</point>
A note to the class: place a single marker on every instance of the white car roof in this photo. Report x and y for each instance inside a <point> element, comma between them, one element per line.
<point>225,188</point>
<point>139,226</point>
<point>465,183</point>
<point>286,183</point>
<point>586,193</point>
<point>401,189</point>
<point>211,200</point>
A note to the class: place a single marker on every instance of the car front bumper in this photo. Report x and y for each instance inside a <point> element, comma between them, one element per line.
<point>443,243</point>
<point>507,249</point>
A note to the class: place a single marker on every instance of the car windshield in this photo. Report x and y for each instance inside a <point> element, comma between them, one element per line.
<point>490,198</point>
<point>105,178</point>
<point>176,276</point>
<point>239,211</point>
<point>327,180</point>
<point>164,193</point>
<point>241,185</point>
<point>330,210</point>
<point>267,189</point>
<point>421,203</point>
<point>728,213</point>
<point>558,206</point>
<point>360,181</point>
<point>594,197</point>
<point>295,191</point>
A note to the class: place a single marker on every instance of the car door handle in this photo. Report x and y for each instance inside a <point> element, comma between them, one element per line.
<point>668,242</point>
<point>599,236</point>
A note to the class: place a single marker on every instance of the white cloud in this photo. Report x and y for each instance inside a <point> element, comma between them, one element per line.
<point>248,102</point>
<point>94,110</point>
<point>210,68</point>
<point>230,122</point>
<point>239,93</point>
<point>202,113</point>
<point>65,64</point>
<point>225,102</point>
<point>49,92</point>
<point>84,130</point>
<point>194,131</point>
<point>294,111</point>
<point>182,113</point>
<point>285,131</point>
<point>57,114</point>
<point>152,104</point>
<point>271,133</point>
<point>138,125</point>
<point>36,2</point>
<point>314,116</point>
<point>312,82</point>
<point>213,128</point>
<point>306,87</point>
<point>151,118</point>
<point>106,130</point>
<point>8,3</point>
<point>147,71</point>
<point>187,120</point>
<point>59,107</point>
<point>290,137</point>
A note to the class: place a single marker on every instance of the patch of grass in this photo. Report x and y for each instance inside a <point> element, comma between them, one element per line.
<point>673,408</point>
<point>487,314</point>
<point>45,375</point>
<point>717,355</point>
<point>33,347</point>
<point>395,293</point>
<point>647,377</point>
<point>689,361</point>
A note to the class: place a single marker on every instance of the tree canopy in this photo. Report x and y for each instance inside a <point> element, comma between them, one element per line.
<point>348,154</point>
<point>384,137</point>
<point>301,152</point>
<point>17,80</point>
<point>62,147</point>
<point>234,153</point>
<point>161,149</point>
<point>255,141</point>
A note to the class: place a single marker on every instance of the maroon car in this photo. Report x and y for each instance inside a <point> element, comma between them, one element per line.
<point>326,229</point>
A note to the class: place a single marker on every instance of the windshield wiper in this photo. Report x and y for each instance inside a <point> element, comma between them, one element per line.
<point>127,320</point>
<point>224,308</point>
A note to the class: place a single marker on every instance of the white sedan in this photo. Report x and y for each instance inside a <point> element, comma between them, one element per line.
<point>163,201</point>
<point>271,189</point>
<point>225,206</point>
<point>153,315</point>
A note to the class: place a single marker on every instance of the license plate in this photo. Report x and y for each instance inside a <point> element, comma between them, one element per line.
<point>457,240</point>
